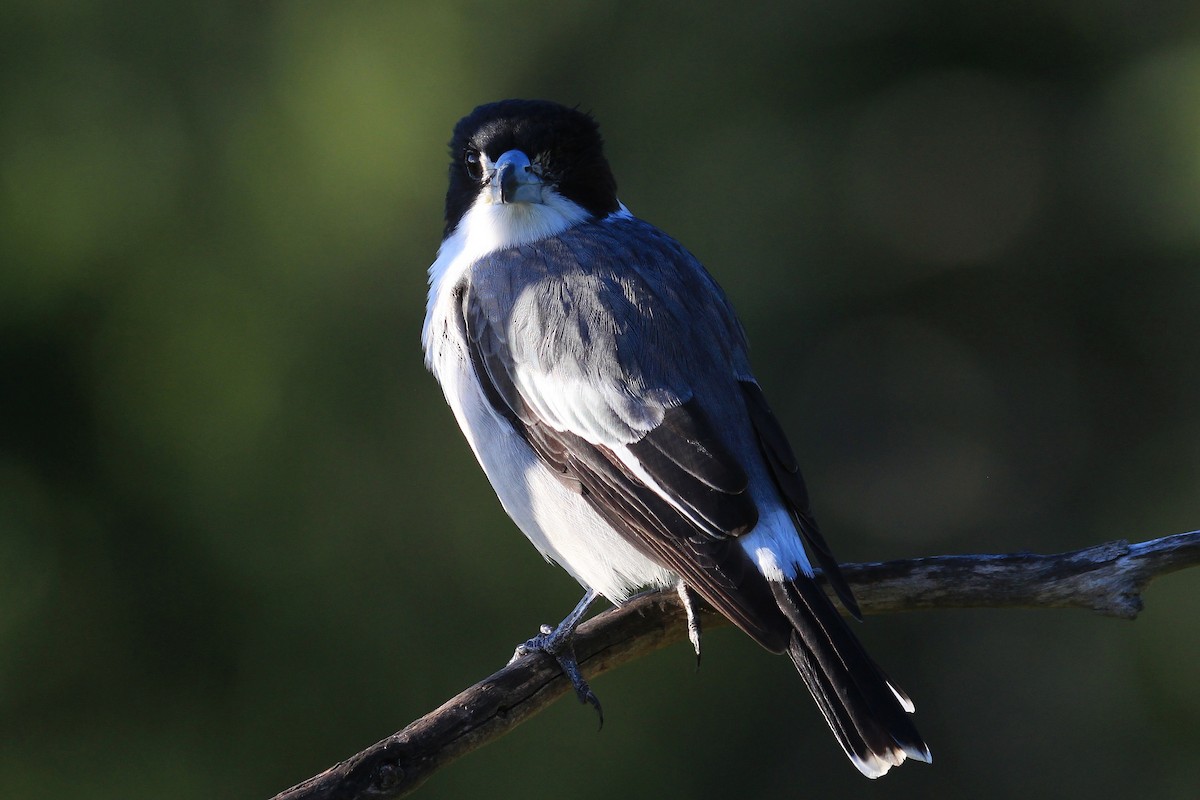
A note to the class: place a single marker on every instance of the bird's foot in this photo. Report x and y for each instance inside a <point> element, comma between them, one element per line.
<point>559,644</point>
<point>693,619</point>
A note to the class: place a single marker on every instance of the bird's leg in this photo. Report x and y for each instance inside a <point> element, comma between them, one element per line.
<point>560,644</point>
<point>693,619</point>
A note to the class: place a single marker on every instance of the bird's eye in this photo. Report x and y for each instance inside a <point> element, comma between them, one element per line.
<point>473,164</point>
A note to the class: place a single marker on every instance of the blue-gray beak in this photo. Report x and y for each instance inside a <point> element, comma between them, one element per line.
<point>515,180</point>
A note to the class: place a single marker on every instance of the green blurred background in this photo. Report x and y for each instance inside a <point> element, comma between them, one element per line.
<point>241,537</point>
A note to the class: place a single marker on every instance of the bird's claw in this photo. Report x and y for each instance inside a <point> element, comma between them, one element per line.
<point>559,644</point>
<point>570,667</point>
<point>548,641</point>
<point>693,619</point>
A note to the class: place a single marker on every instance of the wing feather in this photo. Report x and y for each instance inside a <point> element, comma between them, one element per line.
<point>559,354</point>
<point>786,471</point>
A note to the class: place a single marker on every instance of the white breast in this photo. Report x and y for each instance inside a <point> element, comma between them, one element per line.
<point>558,521</point>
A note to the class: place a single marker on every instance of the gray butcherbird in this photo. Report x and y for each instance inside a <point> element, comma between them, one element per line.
<point>602,379</point>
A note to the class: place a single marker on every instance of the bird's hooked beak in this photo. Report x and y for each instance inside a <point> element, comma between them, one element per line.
<point>515,180</point>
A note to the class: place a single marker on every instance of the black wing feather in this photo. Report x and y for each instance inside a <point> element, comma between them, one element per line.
<point>786,471</point>
<point>690,463</point>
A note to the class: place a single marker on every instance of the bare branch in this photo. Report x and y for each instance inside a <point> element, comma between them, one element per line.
<point>1107,578</point>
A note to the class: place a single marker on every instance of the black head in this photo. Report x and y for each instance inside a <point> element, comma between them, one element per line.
<point>563,144</point>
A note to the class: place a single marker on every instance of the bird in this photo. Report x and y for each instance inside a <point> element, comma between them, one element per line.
<point>602,379</point>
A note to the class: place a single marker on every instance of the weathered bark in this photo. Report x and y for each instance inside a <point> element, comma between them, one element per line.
<point>1107,578</point>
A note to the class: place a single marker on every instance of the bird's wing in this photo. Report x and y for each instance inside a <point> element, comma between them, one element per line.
<point>591,344</point>
<point>785,469</point>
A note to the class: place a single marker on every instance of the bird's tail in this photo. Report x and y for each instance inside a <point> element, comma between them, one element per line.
<point>868,714</point>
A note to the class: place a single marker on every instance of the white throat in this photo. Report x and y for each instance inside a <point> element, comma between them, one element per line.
<point>488,227</point>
